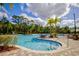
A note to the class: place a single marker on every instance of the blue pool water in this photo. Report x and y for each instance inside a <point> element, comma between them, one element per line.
<point>34,43</point>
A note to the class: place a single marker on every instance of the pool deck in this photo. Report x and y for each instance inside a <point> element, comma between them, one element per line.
<point>72,49</point>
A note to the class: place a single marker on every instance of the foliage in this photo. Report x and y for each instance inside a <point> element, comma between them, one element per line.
<point>5,40</point>
<point>65,29</point>
<point>52,22</point>
<point>30,27</point>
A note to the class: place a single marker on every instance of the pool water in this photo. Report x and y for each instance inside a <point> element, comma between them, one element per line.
<point>35,43</point>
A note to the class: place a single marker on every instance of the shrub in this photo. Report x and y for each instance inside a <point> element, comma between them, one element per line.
<point>6,40</point>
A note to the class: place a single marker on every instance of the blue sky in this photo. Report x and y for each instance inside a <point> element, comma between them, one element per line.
<point>41,11</point>
<point>73,10</point>
<point>16,10</point>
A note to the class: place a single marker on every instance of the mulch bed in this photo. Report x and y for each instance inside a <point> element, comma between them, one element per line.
<point>8,48</point>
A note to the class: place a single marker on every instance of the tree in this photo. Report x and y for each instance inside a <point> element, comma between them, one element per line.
<point>32,26</point>
<point>53,22</point>
<point>23,23</point>
<point>17,19</point>
<point>1,25</point>
<point>9,27</point>
<point>4,26</point>
<point>65,29</point>
<point>50,21</point>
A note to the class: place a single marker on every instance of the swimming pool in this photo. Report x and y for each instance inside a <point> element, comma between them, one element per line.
<point>34,43</point>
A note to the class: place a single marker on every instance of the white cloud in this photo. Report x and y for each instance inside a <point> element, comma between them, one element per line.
<point>3,14</point>
<point>69,23</point>
<point>45,10</point>
<point>38,20</point>
<point>22,7</point>
<point>66,12</point>
<point>4,9</point>
<point>24,15</point>
<point>66,22</point>
<point>75,4</point>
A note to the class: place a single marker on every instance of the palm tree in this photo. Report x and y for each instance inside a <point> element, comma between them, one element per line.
<point>4,19</point>
<point>4,26</point>
<point>25,22</point>
<point>65,29</point>
<point>9,27</point>
<point>53,22</point>
<point>74,24</point>
<point>32,26</point>
<point>16,19</point>
<point>1,25</point>
<point>50,23</point>
<point>21,21</point>
<point>75,36</point>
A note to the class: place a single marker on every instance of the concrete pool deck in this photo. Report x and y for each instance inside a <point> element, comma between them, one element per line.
<point>72,50</point>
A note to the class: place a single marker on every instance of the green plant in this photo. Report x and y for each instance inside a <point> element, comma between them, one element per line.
<point>6,40</point>
<point>52,22</point>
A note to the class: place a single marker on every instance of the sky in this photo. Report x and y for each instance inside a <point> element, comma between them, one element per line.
<point>39,12</point>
